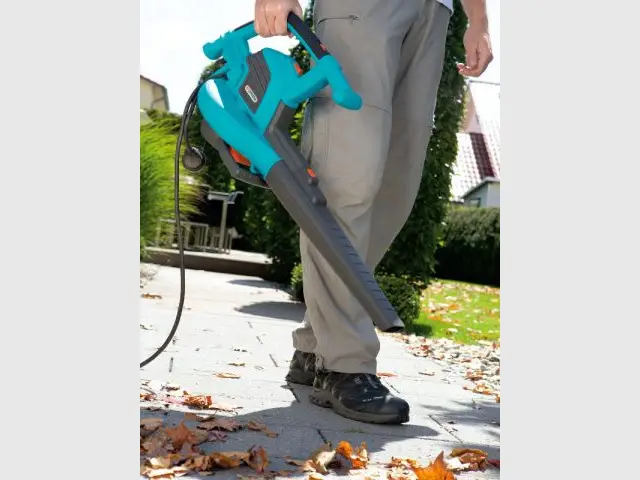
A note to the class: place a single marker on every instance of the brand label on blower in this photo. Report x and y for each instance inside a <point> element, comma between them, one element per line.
<point>251,94</point>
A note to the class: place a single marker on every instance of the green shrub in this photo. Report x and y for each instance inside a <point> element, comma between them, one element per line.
<point>471,246</point>
<point>157,150</point>
<point>401,293</point>
<point>297,292</point>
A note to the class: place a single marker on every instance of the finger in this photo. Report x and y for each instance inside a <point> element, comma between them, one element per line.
<point>472,56</point>
<point>298,10</point>
<point>484,57</point>
<point>261,21</point>
<point>271,24</point>
<point>280,24</point>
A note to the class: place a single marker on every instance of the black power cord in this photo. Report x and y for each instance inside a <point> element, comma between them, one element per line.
<point>183,134</point>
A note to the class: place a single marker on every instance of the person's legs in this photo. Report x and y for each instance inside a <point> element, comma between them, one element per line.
<point>414,106</point>
<point>375,42</point>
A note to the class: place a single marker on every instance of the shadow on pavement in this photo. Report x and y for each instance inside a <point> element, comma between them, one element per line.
<point>256,283</point>
<point>277,310</point>
<point>303,428</point>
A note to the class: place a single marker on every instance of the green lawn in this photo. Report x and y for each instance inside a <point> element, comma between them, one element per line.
<point>462,312</point>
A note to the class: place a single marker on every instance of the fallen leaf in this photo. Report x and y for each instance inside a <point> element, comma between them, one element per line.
<point>261,427</point>
<point>322,457</point>
<point>359,459</point>
<point>145,327</point>
<point>151,295</point>
<point>437,470</point>
<point>227,375</point>
<point>171,386</point>
<point>481,389</point>
<point>151,424</point>
<point>182,434</point>
<point>497,398</point>
<point>430,374</point>
<point>229,459</point>
<point>469,460</point>
<point>315,476</point>
<point>157,444</point>
<point>220,423</point>
<point>237,364</point>
<point>258,459</point>
<point>384,374</point>
<point>198,417</point>
<point>199,401</point>
<point>494,462</point>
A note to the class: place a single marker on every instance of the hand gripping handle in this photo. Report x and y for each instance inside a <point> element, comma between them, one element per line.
<point>326,71</point>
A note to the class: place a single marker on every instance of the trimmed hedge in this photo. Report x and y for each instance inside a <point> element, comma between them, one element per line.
<point>470,250</point>
<point>401,293</point>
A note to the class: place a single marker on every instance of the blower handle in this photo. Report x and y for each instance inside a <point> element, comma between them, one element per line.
<point>330,72</point>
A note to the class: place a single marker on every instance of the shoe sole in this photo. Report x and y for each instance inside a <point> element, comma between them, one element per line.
<point>301,378</point>
<point>327,400</point>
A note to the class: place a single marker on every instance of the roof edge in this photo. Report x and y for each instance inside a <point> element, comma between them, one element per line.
<point>484,181</point>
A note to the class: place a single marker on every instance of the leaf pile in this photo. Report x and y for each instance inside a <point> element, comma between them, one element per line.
<point>479,364</point>
<point>161,393</point>
<point>170,452</point>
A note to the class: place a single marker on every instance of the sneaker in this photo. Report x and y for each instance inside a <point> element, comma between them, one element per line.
<point>358,396</point>
<point>302,369</point>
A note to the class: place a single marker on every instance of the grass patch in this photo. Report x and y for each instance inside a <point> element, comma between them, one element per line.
<point>462,312</point>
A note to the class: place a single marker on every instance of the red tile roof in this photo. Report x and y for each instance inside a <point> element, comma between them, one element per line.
<point>478,151</point>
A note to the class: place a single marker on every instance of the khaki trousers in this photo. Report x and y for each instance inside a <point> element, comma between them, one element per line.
<point>369,161</point>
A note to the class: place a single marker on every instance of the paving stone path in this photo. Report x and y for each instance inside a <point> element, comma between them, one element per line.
<point>247,321</point>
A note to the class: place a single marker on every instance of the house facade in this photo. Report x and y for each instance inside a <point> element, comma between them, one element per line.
<point>476,174</point>
<point>153,96</point>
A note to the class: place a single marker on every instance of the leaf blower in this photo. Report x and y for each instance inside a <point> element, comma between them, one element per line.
<point>259,94</point>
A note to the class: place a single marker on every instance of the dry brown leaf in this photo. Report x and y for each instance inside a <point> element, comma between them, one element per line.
<point>229,459</point>
<point>227,375</point>
<point>237,364</point>
<point>497,398</point>
<point>437,470</point>
<point>472,459</point>
<point>305,465</point>
<point>481,389</point>
<point>258,459</point>
<point>359,459</point>
<point>152,296</point>
<point>322,457</point>
<point>157,444</point>
<point>198,417</point>
<point>385,374</point>
<point>315,476</point>
<point>198,401</point>
<point>227,424</point>
<point>430,374</point>
<point>151,424</point>
<point>182,434</point>
<point>261,427</point>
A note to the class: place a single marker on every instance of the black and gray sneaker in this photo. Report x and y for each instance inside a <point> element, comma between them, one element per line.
<point>302,369</point>
<point>358,396</point>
